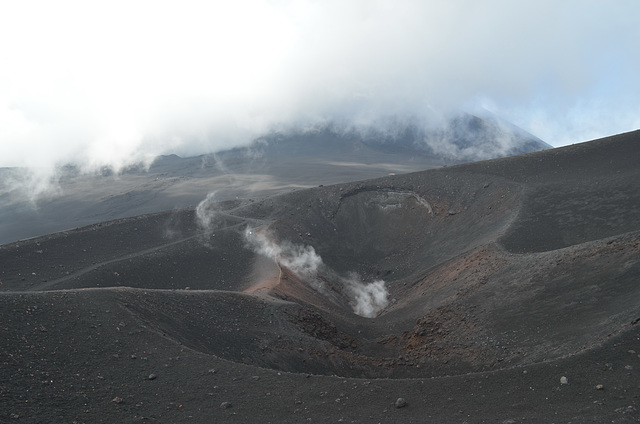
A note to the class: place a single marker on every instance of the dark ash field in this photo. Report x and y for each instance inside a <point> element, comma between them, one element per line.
<point>499,291</point>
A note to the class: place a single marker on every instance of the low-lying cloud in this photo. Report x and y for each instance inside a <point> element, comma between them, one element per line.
<point>366,299</point>
<point>22,184</point>
<point>110,84</point>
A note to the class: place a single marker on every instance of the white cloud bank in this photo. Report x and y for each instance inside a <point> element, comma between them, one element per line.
<point>107,83</point>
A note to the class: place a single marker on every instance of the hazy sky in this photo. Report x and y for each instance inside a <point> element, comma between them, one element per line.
<point>107,81</point>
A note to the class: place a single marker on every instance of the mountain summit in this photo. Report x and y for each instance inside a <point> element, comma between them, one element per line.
<point>461,138</point>
<point>278,162</point>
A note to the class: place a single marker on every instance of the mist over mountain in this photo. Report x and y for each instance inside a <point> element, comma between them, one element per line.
<point>283,159</point>
<point>288,211</point>
<point>459,138</point>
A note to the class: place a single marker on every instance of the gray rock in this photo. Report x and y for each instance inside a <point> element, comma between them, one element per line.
<point>627,411</point>
<point>401,403</point>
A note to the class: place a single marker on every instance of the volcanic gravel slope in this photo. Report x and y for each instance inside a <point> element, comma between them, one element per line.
<point>513,294</point>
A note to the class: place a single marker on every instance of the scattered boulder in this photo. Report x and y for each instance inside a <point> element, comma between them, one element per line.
<point>401,403</point>
<point>225,405</point>
<point>629,410</point>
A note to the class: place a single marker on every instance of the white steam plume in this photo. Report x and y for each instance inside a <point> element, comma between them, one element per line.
<point>366,299</point>
<point>301,260</point>
<point>206,213</point>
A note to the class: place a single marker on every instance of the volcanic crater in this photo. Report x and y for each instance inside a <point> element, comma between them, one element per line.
<point>484,266</point>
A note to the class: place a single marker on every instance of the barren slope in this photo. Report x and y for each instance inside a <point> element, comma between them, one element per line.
<point>526,264</point>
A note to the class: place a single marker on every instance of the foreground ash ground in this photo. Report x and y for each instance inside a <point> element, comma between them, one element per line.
<point>499,291</point>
